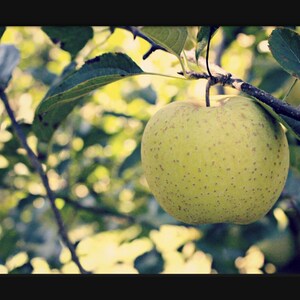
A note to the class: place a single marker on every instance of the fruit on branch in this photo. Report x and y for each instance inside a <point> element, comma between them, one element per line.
<point>223,163</point>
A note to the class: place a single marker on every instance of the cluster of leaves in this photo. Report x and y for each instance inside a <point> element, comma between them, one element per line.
<point>91,148</point>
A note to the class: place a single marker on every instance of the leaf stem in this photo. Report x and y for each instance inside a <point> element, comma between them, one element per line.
<point>182,66</point>
<point>290,89</point>
<point>208,85</point>
<point>164,75</point>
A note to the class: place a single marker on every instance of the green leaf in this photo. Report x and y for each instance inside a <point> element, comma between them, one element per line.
<point>291,124</point>
<point>95,73</point>
<point>9,149</point>
<point>284,44</point>
<point>147,93</point>
<point>2,29</point>
<point>150,262</point>
<point>112,113</point>
<point>203,38</point>
<point>69,38</point>
<point>9,59</point>
<point>28,200</point>
<point>63,166</point>
<point>130,160</point>
<point>231,33</point>
<point>273,80</point>
<point>95,136</point>
<point>45,125</point>
<point>191,39</point>
<point>43,75</point>
<point>172,38</point>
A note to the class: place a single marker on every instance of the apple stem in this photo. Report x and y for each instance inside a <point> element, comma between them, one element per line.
<point>208,85</point>
<point>211,80</point>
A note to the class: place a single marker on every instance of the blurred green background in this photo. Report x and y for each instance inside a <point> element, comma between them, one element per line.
<point>94,161</point>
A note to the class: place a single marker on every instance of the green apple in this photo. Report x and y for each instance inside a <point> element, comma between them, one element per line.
<point>224,163</point>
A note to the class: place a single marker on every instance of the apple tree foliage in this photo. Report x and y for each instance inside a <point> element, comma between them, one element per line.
<point>82,96</point>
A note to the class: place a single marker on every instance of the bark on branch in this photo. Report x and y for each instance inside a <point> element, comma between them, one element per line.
<point>226,79</point>
<point>135,31</point>
<point>108,212</point>
<point>39,169</point>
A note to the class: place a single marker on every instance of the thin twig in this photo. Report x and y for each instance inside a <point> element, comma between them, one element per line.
<point>112,213</point>
<point>225,78</point>
<point>290,89</point>
<point>39,169</point>
<point>106,211</point>
<point>97,210</point>
<point>136,32</point>
<point>222,77</point>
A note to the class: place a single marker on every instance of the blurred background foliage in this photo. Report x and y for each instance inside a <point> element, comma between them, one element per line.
<point>94,167</point>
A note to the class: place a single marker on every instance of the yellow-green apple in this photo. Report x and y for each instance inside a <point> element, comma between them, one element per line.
<point>224,163</point>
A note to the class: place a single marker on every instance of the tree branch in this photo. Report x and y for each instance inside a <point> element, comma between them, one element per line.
<point>106,211</point>
<point>225,78</point>
<point>135,31</point>
<point>97,210</point>
<point>39,169</point>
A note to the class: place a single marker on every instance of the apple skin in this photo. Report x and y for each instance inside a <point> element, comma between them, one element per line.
<point>226,163</point>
